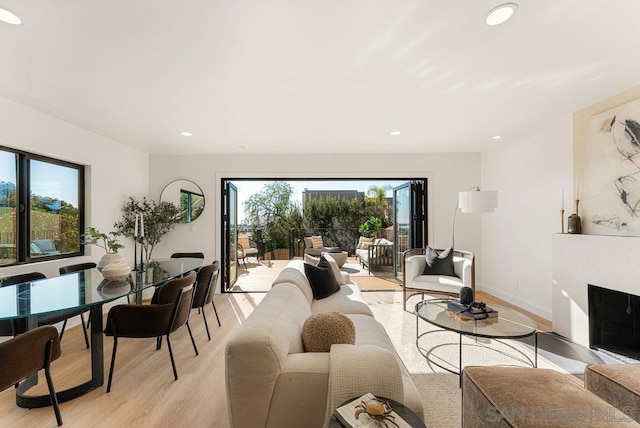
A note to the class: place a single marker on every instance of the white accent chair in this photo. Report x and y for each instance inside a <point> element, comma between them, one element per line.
<point>414,282</point>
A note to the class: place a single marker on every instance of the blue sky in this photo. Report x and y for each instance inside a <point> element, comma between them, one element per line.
<point>54,181</point>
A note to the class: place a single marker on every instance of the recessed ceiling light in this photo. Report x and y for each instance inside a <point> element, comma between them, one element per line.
<point>9,17</point>
<point>500,14</point>
<point>186,133</point>
<point>395,133</point>
<point>497,137</point>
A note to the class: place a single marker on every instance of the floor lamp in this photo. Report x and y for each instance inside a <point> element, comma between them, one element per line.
<point>474,200</point>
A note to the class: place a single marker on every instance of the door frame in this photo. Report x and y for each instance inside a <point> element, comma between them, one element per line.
<point>221,177</point>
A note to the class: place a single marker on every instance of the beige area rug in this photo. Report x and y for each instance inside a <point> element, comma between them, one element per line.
<point>440,389</point>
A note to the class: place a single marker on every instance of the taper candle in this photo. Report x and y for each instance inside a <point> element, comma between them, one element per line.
<point>142,225</point>
<point>563,199</point>
<point>135,229</point>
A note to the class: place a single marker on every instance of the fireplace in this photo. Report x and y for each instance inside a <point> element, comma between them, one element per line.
<point>614,321</point>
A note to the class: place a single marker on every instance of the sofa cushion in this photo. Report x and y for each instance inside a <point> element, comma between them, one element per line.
<point>439,264</point>
<point>323,282</point>
<point>347,300</point>
<point>324,329</point>
<point>618,384</point>
<point>326,260</point>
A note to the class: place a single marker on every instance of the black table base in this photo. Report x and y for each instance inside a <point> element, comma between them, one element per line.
<point>97,369</point>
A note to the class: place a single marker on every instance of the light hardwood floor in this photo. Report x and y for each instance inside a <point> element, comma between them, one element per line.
<point>144,393</point>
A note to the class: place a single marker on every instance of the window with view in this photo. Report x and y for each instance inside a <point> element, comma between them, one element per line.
<point>41,212</point>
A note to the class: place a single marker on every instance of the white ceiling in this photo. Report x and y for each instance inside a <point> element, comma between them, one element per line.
<point>310,76</point>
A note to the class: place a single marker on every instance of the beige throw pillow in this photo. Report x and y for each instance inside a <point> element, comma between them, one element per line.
<point>335,269</point>
<point>317,241</point>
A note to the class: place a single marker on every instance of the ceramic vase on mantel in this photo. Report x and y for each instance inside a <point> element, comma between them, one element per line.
<point>108,259</point>
<point>574,223</point>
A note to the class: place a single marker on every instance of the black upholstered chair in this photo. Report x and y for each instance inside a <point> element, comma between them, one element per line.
<point>168,311</point>
<point>76,268</point>
<point>187,255</point>
<point>205,288</point>
<point>27,354</point>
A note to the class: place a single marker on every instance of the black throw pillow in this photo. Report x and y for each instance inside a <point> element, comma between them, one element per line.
<point>439,264</point>
<point>323,282</point>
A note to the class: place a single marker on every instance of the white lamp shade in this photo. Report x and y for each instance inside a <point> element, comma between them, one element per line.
<point>478,201</point>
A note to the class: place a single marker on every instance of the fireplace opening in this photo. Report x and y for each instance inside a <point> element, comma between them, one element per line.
<point>614,321</point>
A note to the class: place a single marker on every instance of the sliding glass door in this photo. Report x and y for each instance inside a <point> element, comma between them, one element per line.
<point>409,219</point>
<point>230,230</point>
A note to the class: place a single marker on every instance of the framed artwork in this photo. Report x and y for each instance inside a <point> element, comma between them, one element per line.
<point>609,191</point>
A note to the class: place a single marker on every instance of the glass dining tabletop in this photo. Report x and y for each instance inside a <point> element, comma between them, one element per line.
<point>85,289</point>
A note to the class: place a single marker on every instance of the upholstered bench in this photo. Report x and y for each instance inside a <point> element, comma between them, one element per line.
<point>618,384</point>
<point>528,397</point>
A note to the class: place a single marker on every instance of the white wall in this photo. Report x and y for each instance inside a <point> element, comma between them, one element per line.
<point>447,173</point>
<point>529,174</point>
<point>115,171</point>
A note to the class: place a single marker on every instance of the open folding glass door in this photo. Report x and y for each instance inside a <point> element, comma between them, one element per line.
<point>230,234</point>
<point>409,219</point>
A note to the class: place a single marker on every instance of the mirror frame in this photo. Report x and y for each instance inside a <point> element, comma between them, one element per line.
<point>164,196</point>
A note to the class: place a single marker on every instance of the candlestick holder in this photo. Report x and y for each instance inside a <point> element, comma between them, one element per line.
<point>561,221</point>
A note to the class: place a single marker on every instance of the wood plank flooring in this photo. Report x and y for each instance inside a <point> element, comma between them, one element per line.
<point>144,393</point>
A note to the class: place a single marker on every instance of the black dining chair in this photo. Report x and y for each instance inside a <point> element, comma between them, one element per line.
<point>187,255</point>
<point>169,312</point>
<point>27,354</point>
<point>205,288</point>
<point>54,317</point>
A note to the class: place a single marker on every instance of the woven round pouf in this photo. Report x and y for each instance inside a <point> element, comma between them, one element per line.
<point>324,329</point>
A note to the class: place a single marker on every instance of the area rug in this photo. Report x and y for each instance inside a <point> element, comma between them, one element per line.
<point>440,389</point>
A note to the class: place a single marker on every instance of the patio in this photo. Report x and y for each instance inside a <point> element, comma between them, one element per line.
<point>258,277</point>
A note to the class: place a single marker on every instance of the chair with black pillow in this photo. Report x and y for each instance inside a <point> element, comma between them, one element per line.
<point>205,287</point>
<point>27,354</point>
<point>166,314</point>
<point>432,271</point>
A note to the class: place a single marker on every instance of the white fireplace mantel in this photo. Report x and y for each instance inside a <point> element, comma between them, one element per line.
<point>578,260</point>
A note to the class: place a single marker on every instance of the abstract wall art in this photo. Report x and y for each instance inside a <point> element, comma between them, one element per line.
<point>609,190</point>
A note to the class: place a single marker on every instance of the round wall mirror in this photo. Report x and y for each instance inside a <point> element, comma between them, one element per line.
<point>187,195</point>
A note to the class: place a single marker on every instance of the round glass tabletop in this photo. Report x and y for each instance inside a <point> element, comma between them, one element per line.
<point>509,324</point>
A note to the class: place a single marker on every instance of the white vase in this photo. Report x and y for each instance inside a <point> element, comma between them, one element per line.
<point>108,259</point>
<point>116,271</point>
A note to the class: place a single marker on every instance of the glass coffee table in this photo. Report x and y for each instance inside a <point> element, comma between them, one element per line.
<point>509,324</point>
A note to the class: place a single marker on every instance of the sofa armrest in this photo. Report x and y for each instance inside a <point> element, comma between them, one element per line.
<point>414,266</point>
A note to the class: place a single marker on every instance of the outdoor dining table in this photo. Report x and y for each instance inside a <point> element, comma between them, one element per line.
<point>83,289</point>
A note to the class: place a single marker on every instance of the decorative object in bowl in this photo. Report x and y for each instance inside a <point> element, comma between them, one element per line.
<point>116,271</point>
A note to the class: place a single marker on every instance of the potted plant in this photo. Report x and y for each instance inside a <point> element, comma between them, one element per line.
<point>108,242</point>
<point>159,219</point>
<point>371,227</point>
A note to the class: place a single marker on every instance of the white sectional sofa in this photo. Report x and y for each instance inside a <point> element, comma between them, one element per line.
<point>271,381</point>
<point>414,282</point>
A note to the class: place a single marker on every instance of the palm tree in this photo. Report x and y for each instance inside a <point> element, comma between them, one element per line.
<point>378,192</point>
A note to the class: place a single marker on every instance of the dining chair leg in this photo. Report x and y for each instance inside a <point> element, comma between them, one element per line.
<point>113,362</point>
<point>206,326</point>
<point>64,325</point>
<point>52,391</point>
<point>173,363</point>
<point>216,311</point>
<point>84,330</point>
<point>158,343</point>
<point>192,341</point>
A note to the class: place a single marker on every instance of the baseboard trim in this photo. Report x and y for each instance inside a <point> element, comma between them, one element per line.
<point>541,312</point>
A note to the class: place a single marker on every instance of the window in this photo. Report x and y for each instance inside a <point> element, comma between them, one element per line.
<point>41,208</point>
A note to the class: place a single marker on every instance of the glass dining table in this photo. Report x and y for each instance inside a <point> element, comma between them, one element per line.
<point>83,289</point>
